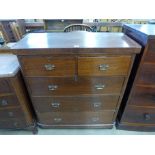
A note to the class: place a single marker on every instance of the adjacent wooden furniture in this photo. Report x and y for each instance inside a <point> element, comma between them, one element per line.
<point>15,109</point>
<point>138,105</point>
<point>76,79</point>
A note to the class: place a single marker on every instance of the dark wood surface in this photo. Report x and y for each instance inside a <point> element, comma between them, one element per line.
<point>137,108</point>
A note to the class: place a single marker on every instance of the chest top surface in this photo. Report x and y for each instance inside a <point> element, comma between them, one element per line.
<point>146,29</point>
<point>8,65</point>
<point>76,39</point>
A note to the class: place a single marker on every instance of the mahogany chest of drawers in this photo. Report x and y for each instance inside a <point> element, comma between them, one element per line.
<point>15,110</point>
<point>76,79</point>
<point>138,105</point>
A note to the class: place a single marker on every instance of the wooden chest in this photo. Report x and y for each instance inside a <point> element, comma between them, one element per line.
<point>76,79</point>
<point>15,110</point>
<point>138,105</point>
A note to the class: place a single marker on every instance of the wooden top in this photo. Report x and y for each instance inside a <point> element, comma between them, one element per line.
<point>81,41</point>
<point>9,65</point>
<point>147,29</point>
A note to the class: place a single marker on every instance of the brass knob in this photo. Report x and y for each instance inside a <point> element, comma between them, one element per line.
<point>99,86</point>
<point>49,67</point>
<point>95,119</point>
<point>103,67</point>
<point>96,104</point>
<point>52,87</point>
<point>4,102</point>
<point>147,116</point>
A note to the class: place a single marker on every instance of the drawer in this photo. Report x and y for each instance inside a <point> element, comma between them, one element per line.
<point>5,86</point>
<point>47,66</point>
<point>101,66</point>
<point>68,86</point>
<point>7,101</point>
<point>74,104</point>
<point>143,96</point>
<point>11,113</point>
<point>142,115</point>
<point>104,117</point>
<point>13,124</point>
<point>147,74</point>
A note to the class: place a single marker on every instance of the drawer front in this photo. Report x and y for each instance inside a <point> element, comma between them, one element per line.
<point>100,66</point>
<point>147,74</point>
<point>75,104</point>
<point>142,115</point>
<point>68,86</point>
<point>13,124</point>
<point>5,86</point>
<point>7,101</point>
<point>47,66</point>
<point>104,117</point>
<point>143,96</point>
<point>11,113</point>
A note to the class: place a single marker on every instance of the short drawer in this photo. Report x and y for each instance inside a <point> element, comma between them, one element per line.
<point>143,96</point>
<point>75,104</point>
<point>13,124</point>
<point>69,86</point>
<point>7,101</point>
<point>5,86</point>
<point>11,113</point>
<point>104,117</point>
<point>101,66</point>
<point>144,115</point>
<point>147,74</point>
<point>47,66</point>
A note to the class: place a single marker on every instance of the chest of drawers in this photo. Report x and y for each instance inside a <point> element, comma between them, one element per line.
<point>76,79</point>
<point>15,108</point>
<point>138,105</point>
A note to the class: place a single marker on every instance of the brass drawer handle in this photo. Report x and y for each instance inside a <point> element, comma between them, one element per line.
<point>4,102</point>
<point>52,87</point>
<point>97,104</point>
<point>55,105</point>
<point>99,87</point>
<point>57,120</point>
<point>95,119</point>
<point>147,116</point>
<point>49,67</point>
<point>103,67</point>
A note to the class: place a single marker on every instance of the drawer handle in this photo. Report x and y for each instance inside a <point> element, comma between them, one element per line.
<point>95,119</point>
<point>103,67</point>
<point>52,87</point>
<point>55,105</point>
<point>4,102</point>
<point>49,67</point>
<point>97,104</point>
<point>57,120</point>
<point>99,87</point>
<point>147,116</point>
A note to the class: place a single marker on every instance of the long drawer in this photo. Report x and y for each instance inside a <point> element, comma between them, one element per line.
<point>101,66</point>
<point>5,87</point>
<point>11,113</point>
<point>141,115</point>
<point>13,123</point>
<point>75,104</point>
<point>7,101</point>
<point>143,96</point>
<point>69,86</point>
<point>48,66</point>
<point>55,118</point>
<point>147,74</point>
